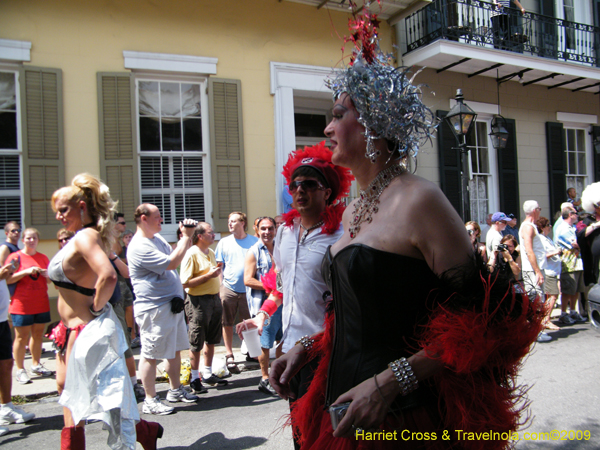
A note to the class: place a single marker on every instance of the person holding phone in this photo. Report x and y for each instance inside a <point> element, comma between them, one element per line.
<point>421,338</point>
<point>30,306</point>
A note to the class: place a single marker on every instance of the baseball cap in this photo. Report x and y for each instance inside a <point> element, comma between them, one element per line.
<point>500,217</point>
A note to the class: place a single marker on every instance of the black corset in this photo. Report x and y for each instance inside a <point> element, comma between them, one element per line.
<point>380,302</point>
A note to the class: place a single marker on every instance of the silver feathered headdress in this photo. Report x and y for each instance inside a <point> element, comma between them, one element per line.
<point>389,105</point>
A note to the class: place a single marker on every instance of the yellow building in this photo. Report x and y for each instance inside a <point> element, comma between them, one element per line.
<point>185,104</point>
<point>195,105</point>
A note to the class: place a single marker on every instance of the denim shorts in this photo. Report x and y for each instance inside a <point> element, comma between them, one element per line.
<point>25,320</point>
<point>274,331</point>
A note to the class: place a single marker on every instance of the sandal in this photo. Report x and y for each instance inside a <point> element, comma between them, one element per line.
<point>231,365</point>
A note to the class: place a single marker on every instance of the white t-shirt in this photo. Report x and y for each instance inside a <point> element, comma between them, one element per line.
<point>303,285</point>
<point>492,240</point>
<point>153,284</point>
<point>4,301</point>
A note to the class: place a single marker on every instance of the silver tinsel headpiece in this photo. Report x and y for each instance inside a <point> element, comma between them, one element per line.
<point>389,105</point>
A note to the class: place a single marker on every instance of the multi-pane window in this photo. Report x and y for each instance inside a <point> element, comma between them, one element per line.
<point>172,155</point>
<point>576,159</point>
<point>10,182</point>
<point>479,184</point>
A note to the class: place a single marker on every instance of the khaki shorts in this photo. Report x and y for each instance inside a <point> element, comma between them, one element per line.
<point>204,313</point>
<point>551,285</point>
<point>162,333</point>
<point>233,303</point>
<point>571,282</point>
<point>531,287</point>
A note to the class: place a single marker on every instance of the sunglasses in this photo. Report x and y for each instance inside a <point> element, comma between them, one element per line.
<point>122,223</point>
<point>17,230</point>
<point>307,186</point>
<point>63,240</point>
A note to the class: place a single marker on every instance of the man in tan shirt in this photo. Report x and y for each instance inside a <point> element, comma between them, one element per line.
<point>200,278</point>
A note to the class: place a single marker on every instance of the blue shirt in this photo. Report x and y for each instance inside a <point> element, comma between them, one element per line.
<point>232,253</point>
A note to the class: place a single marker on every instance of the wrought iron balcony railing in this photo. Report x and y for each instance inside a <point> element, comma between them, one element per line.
<point>480,23</point>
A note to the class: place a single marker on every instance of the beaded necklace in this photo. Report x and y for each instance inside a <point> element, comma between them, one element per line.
<point>308,230</point>
<point>368,202</point>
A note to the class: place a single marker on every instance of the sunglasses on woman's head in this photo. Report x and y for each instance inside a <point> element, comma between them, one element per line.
<point>307,186</point>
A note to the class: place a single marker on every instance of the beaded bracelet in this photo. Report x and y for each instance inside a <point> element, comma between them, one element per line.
<point>306,341</point>
<point>267,317</point>
<point>404,375</point>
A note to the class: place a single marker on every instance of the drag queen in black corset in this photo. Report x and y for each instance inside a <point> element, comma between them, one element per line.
<point>420,339</point>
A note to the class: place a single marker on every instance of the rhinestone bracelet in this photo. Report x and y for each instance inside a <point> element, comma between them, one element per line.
<point>267,317</point>
<point>404,375</point>
<point>306,341</point>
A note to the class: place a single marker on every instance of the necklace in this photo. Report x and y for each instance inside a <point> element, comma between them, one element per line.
<point>368,202</point>
<point>308,230</point>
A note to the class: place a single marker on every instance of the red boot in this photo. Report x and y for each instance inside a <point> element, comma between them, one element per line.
<point>148,433</point>
<point>72,438</point>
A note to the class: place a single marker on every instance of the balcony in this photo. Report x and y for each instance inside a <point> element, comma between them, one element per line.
<point>470,33</point>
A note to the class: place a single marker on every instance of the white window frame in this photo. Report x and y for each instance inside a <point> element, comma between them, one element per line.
<point>169,230</point>
<point>13,68</point>
<point>589,157</point>
<point>289,81</point>
<point>581,121</point>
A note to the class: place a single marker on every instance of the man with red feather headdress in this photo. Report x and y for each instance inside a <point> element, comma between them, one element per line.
<point>317,187</point>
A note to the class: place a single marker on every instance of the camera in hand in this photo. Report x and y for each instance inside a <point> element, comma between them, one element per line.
<point>337,413</point>
<point>502,247</point>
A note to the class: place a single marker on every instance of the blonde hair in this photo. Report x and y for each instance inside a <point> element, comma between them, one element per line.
<point>100,206</point>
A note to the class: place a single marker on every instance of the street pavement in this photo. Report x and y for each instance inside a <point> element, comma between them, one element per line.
<point>565,396</point>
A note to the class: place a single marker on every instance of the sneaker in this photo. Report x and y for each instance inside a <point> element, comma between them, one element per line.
<point>9,413</point>
<point>156,407</point>
<point>135,343</point>
<point>265,387</point>
<point>566,319</point>
<point>3,431</point>
<point>197,387</point>
<point>41,371</point>
<point>181,395</point>
<point>576,317</point>
<point>22,376</point>
<point>543,337</point>
<point>214,380</point>
<point>139,391</point>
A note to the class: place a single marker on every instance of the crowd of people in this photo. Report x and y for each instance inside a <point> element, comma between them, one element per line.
<point>551,261</point>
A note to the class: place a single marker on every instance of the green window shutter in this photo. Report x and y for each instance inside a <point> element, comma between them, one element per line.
<point>226,150</point>
<point>43,145</point>
<point>449,158</point>
<point>118,150</point>
<point>556,165</point>
<point>508,176</point>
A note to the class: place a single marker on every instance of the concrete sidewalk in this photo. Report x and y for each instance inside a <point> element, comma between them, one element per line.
<point>44,387</point>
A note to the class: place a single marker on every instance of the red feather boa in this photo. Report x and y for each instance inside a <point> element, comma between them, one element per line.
<point>332,217</point>
<point>481,346</point>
